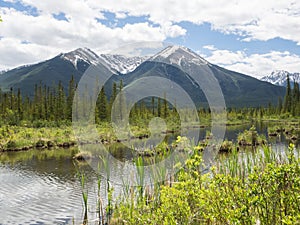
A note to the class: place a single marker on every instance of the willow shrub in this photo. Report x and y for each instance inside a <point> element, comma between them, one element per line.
<point>269,194</point>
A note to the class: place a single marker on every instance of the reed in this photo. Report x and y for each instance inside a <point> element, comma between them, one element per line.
<point>99,199</point>
<point>84,194</point>
<point>257,186</point>
<point>139,163</point>
<point>109,189</point>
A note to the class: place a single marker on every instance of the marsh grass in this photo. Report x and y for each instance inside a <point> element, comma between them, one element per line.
<point>140,176</point>
<point>17,137</point>
<point>84,194</point>
<point>258,186</point>
<point>251,138</point>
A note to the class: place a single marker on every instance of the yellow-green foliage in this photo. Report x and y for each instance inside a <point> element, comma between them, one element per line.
<point>16,137</point>
<point>251,137</point>
<point>268,194</point>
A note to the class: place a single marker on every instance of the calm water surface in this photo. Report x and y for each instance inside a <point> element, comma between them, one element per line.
<point>42,187</point>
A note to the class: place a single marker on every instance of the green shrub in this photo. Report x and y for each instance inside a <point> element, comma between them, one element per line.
<point>269,193</point>
<point>11,144</point>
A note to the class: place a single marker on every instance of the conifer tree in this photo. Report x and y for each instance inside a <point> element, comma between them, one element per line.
<point>19,104</point>
<point>288,96</point>
<point>153,105</point>
<point>279,105</point>
<point>71,92</point>
<point>165,103</point>
<point>158,107</point>
<point>102,106</point>
<point>122,101</point>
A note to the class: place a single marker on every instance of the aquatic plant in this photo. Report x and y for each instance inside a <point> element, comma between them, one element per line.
<point>251,138</point>
<point>260,188</point>
<point>139,163</point>
<point>84,193</point>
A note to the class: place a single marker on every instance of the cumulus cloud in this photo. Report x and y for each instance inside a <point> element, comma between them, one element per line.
<point>43,34</point>
<point>257,65</point>
<point>14,51</point>
<point>256,19</point>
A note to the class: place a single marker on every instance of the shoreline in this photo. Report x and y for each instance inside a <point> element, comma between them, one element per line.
<point>23,138</point>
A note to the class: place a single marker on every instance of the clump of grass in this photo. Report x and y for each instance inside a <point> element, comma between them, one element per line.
<point>292,133</point>
<point>274,131</point>
<point>226,146</point>
<point>83,155</point>
<point>251,138</point>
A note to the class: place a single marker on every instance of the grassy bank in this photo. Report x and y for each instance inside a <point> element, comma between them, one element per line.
<point>24,137</point>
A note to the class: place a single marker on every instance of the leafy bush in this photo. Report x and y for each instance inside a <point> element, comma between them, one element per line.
<point>268,194</point>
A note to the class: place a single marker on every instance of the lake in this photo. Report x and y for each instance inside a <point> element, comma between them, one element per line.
<point>43,186</point>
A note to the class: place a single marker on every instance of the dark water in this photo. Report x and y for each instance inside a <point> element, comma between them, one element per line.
<point>42,187</point>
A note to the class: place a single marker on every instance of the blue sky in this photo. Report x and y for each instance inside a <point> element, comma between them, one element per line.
<point>254,37</point>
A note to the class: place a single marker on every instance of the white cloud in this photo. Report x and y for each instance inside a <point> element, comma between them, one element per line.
<point>257,65</point>
<point>173,30</point>
<point>44,35</point>
<point>255,19</point>
<point>209,47</point>
<point>12,51</point>
<point>121,15</point>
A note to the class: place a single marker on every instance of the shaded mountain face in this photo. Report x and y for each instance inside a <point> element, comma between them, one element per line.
<point>242,90</point>
<point>177,64</point>
<point>62,68</point>
<point>48,73</point>
<point>279,77</point>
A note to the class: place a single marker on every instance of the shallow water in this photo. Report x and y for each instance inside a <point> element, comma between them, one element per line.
<point>42,187</point>
<point>39,190</point>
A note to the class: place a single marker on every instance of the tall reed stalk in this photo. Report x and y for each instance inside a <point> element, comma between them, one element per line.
<point>139,163</point>
<point>84,194</point>
<point>109,190</point>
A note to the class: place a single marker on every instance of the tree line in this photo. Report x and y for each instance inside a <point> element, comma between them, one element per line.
<point>54,104</point>
<point>291,102</point>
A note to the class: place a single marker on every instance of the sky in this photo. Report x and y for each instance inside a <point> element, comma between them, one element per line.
<point>253,37</point>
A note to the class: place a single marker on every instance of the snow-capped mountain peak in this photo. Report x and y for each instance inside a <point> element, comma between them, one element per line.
<point>117,63</point>
<point>81,54</point>
<point>278,77</point>
<point>178,54</point>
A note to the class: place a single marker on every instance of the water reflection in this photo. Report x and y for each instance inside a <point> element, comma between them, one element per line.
<point>42,186</point>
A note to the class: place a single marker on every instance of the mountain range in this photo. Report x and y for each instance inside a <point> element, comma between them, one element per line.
<point>239,89</point>
<point>279,77</point>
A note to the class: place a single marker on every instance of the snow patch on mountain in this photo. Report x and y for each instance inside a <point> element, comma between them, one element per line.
<point>181,57</point>
<point>81,54</point>
<point>178,55</point>
<point>123,64</point>
<point>278,77</point>
<point>117,63</point>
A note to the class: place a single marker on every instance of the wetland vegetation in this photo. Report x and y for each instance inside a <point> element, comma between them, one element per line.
<point>251,182</point>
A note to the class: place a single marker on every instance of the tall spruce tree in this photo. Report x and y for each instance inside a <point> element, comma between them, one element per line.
<point>102,106</point>
<point>71,93</point>
<point>288,96</point>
